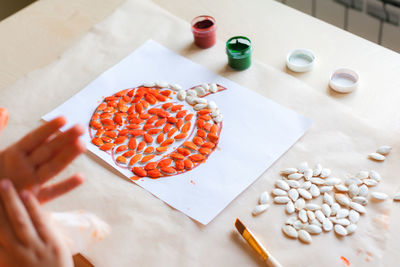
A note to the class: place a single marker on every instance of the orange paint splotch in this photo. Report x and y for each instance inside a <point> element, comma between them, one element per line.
<point>134,178</point>
<point>345,261</point>
<point>192,182</point>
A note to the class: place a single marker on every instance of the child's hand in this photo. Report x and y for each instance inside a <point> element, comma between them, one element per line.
<point>26,238</point>
<point>40,155</point>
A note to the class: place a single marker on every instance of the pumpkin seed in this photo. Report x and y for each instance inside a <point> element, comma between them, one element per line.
<point>332,181</point>
<point>162,84</point>
<point>317,170</point>
<point>215,113</point>
<point>304,236</point>
<point>320,216</point>
<point>302,167</point>
<point>279,192</point>
<point>376,156</point>
<point>313,229</point>
<point>181,95</point>
<point>149,84</point>
<point>295,176</point>
<point>317,181</point>
<point>353,190</point>
<point>303,216</point>
<point>354,216</point>
<point>264,198</point>
<point>176,87</point>
<point>200,91</point>
<point>340,230</point>
<point>282,185</point>
<point>298,225</point>
<point>316,222</point>
<point>325,173</point>
<point>200,100</point>
<point>191,92</point>
<point>334,208</point>
<point>306,185</point>
<point>218,118</point>
<point>304,193</point>
<point>290,231</point>
<point>342,213</point>
<point>363,190</point>
<point>212,105</point>
<point>308,173</point>
<point>325,189</point>
<point>291,220</point>
<point>327,225</point>
<point>293,183</point>
<point>357,207</point>
<point>384,150</point>
<point>290,207</point>
<point>360,200</point>
<point>190,99</point>
<point>312,206</point>
<point>213,88</point>
<point>200,106</point>
<point>310,215</point>
<point>362,175</point>
<point>353,180</point>
<point>288,171</point>
<point>206,86</point>
<point>342,199</point>
<point>326,210</point>
<point>343,222</point>
<point>293,194</point>
<point>370,182</point>
<point>300,204</point>
<point>314,190</point>
<point>328,199</point>
<point>375,175</point>
<point>260,209</point>
<point>341,187</point>
<point>351,228</point>
<point>281,200</point>
<point>379,196</point>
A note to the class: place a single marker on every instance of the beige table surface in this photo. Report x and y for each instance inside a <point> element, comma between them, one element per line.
<point>39,34</point>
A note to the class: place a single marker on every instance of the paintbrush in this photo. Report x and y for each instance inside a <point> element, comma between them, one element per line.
<point>256,245</point>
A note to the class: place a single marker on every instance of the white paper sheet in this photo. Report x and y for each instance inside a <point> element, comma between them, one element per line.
<point>256,131</point>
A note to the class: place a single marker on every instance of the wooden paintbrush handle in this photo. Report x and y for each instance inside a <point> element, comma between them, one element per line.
<point>272,262</point>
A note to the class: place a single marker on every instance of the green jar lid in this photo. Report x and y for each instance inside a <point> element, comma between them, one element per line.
<point>238,49</point>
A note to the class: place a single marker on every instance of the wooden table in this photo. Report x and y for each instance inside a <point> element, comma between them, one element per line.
<point>38,34</point>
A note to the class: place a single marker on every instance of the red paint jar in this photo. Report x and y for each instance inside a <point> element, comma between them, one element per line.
<point>204,31</point>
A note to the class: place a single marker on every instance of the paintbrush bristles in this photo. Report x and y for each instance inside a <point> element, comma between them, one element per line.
<point>239,226</point>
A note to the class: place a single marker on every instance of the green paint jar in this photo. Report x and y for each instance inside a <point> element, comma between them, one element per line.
<point>238,49</point>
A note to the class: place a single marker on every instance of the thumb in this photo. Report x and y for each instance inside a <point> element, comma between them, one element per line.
<point>3,118</point>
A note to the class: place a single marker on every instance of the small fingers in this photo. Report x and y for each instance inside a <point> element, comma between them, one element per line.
<point>50,192</point>
<point>60,161</point>
<point>37,216</point>
<point>49,149</point>
<point>16,213</point>
<point>40,134</point>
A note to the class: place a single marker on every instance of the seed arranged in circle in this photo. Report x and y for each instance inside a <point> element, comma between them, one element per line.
<point>146,130</point>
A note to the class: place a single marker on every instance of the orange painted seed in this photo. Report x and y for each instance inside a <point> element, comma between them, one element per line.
<point>121,159</point>
<point>140,146</point>
<point>121,148</point>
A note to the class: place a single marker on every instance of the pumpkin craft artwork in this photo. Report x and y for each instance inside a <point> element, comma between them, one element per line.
<point>149,130</point>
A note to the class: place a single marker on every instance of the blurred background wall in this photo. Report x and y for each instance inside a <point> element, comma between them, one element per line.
<point>374,20</point>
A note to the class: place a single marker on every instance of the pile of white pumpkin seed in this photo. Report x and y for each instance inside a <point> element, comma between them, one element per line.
<point>343,201</point>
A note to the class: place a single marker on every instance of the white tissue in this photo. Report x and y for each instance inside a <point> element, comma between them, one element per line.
<point>80,229</point>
